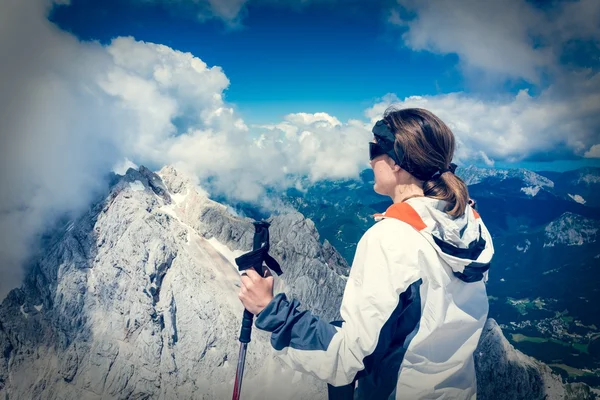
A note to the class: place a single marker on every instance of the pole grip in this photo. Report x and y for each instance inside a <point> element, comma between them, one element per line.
<point>246,330</point>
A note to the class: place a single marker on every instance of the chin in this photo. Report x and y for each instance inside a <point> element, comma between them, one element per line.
<point>375,189</point>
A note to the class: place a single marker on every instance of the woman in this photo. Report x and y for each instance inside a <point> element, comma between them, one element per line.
<point>415,302</point>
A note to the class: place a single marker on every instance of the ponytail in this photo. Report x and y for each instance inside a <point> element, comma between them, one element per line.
<point>450,188</point>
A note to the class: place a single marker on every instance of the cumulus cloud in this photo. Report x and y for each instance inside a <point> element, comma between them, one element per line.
<point>154,85</point>
<point>593,152</point>
<point>317,145</point>
<point>511,39</point>
<point>512,129</point>
<point>490,36</point>
<point>307,119</point>
<point>576,20</point>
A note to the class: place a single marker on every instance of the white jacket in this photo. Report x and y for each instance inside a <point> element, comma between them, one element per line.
<point>413,309</point>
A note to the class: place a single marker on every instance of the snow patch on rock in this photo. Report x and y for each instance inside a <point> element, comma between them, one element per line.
<point>525,247</point>
<point>136,186</point>
<point>230,255</point>
<point>531,190</point>
<point>577,198</point>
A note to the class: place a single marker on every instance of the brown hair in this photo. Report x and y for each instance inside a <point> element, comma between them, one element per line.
<point>428,147</point>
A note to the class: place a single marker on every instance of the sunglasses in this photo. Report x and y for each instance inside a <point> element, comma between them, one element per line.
<point>375,150</point>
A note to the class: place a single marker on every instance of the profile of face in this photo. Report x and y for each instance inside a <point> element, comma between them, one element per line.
<point>386,173</point>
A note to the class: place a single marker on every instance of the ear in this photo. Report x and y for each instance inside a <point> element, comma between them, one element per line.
<point>392,164</point>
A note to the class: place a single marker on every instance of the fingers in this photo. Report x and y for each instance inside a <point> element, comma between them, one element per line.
<point>250,278</point>
<point>243,293</point>
<point>255,291</point>
<point>246,282</point>
<point>254,276</point>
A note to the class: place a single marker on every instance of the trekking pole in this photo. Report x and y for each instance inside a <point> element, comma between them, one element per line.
<point>254,259</point>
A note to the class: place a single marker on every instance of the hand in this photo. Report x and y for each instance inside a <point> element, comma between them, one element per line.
<point>256,291</point>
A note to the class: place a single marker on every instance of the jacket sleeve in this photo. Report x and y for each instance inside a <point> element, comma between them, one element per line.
<point>381,271</point>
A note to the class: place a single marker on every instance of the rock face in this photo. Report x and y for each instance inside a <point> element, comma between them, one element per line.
<point>506,373</point>
<point>571,230</point>
<point>137,299</point>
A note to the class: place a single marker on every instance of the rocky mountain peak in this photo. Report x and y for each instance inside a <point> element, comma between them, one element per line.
<point>138,299</point>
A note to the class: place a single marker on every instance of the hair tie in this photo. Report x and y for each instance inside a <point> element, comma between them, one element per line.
<point>450,168</point>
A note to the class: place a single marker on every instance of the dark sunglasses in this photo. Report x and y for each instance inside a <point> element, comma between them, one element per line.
<point>375,150</point>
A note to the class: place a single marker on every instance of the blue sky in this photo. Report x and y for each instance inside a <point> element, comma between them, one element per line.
<point>282,60</point>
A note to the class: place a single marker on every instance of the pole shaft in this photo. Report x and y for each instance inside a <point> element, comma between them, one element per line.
<point>239,374</point>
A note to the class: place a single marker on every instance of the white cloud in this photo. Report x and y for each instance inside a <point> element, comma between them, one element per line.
<point>489,162</point>
<point>577,20</point>
<point>318,145</point>
<point>491,36</point>
<point>122,166</point>
<point>53,128</point>
<point>307,119</point>
<point>593,152</point>
<point>515,128</point>
<point>510,39</point>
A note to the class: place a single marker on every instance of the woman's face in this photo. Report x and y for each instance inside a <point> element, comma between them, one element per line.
<point>385,175</point>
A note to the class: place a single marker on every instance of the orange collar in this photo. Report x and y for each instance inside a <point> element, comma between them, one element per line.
<point>404,212</point>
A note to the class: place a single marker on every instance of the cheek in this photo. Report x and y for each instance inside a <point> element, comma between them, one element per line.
<point>383,175</point>
<point>380,170</point>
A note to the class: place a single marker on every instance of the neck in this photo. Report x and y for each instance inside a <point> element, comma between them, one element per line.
<point>404,192</point>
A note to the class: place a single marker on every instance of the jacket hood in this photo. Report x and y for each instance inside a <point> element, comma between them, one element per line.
<point>464,243</point>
